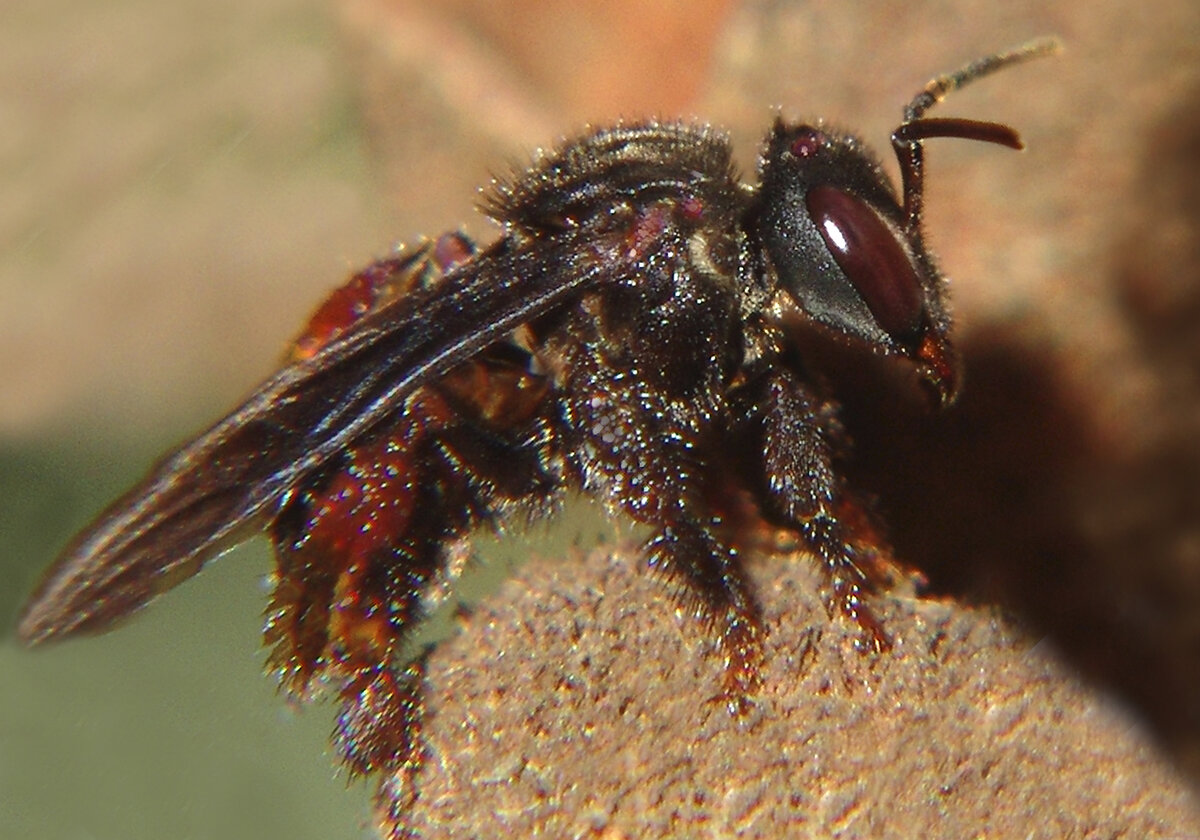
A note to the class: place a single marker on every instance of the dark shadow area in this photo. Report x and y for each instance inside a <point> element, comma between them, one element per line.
<point>1013,498</point>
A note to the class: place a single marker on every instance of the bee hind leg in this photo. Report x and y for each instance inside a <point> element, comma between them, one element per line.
<point>362,552</point>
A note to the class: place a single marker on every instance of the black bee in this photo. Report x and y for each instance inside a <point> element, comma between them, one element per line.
<point>624,338</point>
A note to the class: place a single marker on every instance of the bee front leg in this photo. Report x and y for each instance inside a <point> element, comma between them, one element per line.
<point>801,488</point>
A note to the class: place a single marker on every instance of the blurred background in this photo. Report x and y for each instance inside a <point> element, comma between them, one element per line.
<point>181,183</point>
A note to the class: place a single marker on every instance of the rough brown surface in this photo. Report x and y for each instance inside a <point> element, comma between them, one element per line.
<point>577,703</point>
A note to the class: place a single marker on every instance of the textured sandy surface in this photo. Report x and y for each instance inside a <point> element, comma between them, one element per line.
<point>577,703</point>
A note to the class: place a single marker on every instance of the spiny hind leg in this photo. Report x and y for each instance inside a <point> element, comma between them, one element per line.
<point>354,563</point>
<point>362,551</point>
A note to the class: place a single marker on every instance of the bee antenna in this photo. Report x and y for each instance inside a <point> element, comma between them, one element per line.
<point>907,138</point>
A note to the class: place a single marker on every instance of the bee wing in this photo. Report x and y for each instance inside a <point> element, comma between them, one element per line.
<point>215,490</point>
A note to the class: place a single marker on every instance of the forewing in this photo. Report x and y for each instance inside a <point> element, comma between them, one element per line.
<point>206,496</point>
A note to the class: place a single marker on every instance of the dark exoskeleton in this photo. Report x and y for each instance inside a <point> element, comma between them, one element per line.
<point>624,338</point>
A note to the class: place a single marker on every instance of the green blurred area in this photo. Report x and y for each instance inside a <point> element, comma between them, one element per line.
<point>167,727</point>
<point>164,169</point>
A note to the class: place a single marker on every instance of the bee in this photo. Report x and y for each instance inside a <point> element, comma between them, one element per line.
<point>626,338</point>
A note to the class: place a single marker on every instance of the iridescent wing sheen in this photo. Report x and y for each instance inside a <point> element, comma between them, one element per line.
<point>229,481</point>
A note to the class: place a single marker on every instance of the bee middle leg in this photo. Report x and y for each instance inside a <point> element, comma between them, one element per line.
<point>714,584</point>
<point>643,452</point>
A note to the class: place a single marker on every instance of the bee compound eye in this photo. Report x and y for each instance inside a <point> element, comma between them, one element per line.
<point>872,258</point>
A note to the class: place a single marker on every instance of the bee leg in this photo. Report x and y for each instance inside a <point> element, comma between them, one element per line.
<point>382,705</point>
<point>802,488</point>
<point>716,589</point>
<point>362,552</point>
<point>641,451</point>
<point>411,268</point>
